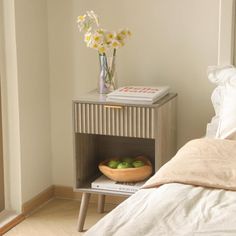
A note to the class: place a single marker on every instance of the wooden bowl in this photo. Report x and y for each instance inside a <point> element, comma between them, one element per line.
<point>127,174</point>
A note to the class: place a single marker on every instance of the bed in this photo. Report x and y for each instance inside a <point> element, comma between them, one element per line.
<point>194,193</point>
<point>173,209</point>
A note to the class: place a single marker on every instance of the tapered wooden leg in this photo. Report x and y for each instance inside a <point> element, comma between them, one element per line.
<point>101,203</point>
<point>83,210</point>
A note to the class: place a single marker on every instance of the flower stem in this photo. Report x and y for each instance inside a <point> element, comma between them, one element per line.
<point>114,52</point>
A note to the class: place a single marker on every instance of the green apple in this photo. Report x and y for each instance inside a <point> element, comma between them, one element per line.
<point>124,165</point>
<point>128,159</point>
<point>113,164</point>
<point>138,163</point>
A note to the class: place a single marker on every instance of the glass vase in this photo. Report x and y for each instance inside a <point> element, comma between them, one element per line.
<point>107,78</point>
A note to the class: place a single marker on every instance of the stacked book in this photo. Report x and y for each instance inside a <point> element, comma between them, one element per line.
<point>137,94</point>
<point>104,183</point>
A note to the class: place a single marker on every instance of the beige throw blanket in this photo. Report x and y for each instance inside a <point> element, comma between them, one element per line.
<point>202,162</point>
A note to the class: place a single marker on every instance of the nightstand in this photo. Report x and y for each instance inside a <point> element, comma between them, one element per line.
<point>103,130</point>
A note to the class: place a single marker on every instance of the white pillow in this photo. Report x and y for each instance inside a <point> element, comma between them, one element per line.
<point>212,127</point>
<point>214,76</point>
<point>216,98</point>
<point>219,75</point>
<point>223,77</point>
<point>227,115</point>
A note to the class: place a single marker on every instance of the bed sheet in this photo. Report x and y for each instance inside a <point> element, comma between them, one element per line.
<point>172,210</point>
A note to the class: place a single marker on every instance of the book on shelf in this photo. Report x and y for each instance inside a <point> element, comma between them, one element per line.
<point>105,183</point>
<point>137,94</point>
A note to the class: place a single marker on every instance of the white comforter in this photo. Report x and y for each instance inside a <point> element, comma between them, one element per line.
<point>172,210</point>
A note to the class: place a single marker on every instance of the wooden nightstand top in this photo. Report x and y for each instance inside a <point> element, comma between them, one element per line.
<point>94,98</point>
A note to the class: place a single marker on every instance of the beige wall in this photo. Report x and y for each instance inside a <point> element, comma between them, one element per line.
<point>63,63</point>
<point>173,42</point>
<point>34,102</point>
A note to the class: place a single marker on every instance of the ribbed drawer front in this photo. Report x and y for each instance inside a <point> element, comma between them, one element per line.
<point>128,121</point>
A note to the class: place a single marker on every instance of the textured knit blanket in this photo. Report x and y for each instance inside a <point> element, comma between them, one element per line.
<point>202,162</point>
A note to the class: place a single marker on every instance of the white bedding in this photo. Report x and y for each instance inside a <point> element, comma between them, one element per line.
<point>172,210</point>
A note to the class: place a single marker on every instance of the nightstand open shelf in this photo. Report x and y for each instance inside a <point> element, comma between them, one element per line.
<point>104,130</point>
<point>93,149</point>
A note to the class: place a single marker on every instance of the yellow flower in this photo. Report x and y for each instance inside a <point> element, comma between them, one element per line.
<point>115,44</point>
<point>110,36</point>
<point>81,18</point>
<point>87,37</point>
<point>97,38</point>
<point>100,39</point>
<point>123,32</point>
<point>120,37</point>
<point>101,49</point>
<point>94,45</point>
<point>100,31</point>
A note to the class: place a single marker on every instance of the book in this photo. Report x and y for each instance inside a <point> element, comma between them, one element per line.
<point>105,183</point>
<point>137,94</point>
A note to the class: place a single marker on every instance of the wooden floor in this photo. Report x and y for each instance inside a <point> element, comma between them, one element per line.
<point>59,218</point>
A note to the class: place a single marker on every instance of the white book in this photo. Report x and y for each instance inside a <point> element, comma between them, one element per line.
<point>105,183</point>
<point>138,94</point>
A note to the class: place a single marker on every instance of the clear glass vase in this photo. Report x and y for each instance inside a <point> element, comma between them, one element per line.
<point>107,78</point>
